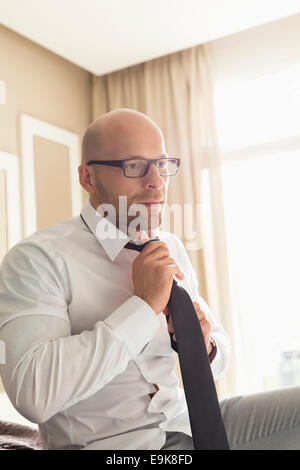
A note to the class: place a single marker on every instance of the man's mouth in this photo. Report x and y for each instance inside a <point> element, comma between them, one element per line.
<point>150,203</point>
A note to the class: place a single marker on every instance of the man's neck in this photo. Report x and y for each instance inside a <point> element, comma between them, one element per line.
<point>141,236</point>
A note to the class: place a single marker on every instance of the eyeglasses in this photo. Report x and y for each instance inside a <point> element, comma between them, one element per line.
<point>138,167</point>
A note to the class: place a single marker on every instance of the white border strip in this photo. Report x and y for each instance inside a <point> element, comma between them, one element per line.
<point>10,163</point>
<point>29,128</point>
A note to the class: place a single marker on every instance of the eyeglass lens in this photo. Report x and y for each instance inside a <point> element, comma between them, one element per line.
<point>135,168</point>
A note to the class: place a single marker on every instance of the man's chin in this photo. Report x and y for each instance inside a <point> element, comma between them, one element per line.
<point>155,225</point>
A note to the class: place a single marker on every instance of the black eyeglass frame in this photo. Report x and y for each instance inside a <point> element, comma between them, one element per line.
<point>121,164</point>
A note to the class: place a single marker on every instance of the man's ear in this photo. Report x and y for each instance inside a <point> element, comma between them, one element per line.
<point>86,178</point>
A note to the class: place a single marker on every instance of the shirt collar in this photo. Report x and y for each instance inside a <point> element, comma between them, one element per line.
<point>108,235</point>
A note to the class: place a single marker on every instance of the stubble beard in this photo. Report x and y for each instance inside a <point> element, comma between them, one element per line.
<point>152,222</point>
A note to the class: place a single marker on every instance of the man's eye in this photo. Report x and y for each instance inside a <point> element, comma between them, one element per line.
<point>132,166</point>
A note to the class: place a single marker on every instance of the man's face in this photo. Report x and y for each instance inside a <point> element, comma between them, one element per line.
<point>110,183</point>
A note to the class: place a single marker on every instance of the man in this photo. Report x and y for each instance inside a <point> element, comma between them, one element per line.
<point>88,352</point>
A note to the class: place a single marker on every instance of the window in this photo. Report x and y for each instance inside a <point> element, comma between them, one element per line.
<point>258,125</point>
<point>262,207</point>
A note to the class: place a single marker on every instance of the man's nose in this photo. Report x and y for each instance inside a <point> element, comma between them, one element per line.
<point>153,179</point>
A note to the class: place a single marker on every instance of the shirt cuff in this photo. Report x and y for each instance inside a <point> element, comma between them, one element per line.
<point>213,352</point>
<point>134,322</point>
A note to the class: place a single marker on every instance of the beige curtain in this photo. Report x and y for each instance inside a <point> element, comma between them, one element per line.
<point>176,92</point>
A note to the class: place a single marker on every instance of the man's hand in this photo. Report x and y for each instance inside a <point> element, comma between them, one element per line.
<point>152,275</point>
<point>204,323</point>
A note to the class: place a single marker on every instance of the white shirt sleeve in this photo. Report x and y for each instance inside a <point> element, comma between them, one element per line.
<point>218,334</point>
<point>47,368</point>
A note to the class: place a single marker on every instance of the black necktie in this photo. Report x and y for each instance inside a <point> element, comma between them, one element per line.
<point>203,406</point>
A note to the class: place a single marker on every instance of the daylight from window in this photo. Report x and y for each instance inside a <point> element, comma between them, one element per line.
<point>258,125</point>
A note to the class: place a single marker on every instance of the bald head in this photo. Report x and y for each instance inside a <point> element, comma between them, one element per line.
<point>119,133</point>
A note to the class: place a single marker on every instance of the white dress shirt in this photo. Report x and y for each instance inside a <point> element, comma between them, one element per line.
<point>82,352</point>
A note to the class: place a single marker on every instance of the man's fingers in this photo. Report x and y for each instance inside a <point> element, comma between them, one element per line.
<point>166,311</point>
<point>170,324</point>
<point>205,326</point>
<point>151,247</point>
<point>171,327</point>
<point>204,323</point>
<point>176,271</point>
<point>170,263</point>
<point>159,251</point>
<point>200,313</point>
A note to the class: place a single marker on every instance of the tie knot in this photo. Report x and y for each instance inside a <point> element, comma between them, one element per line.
<point>133,246</point>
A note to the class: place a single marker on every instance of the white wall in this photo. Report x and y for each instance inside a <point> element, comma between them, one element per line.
<point>252,53</point>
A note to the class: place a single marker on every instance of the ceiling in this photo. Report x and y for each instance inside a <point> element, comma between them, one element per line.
<point>102,36</point>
